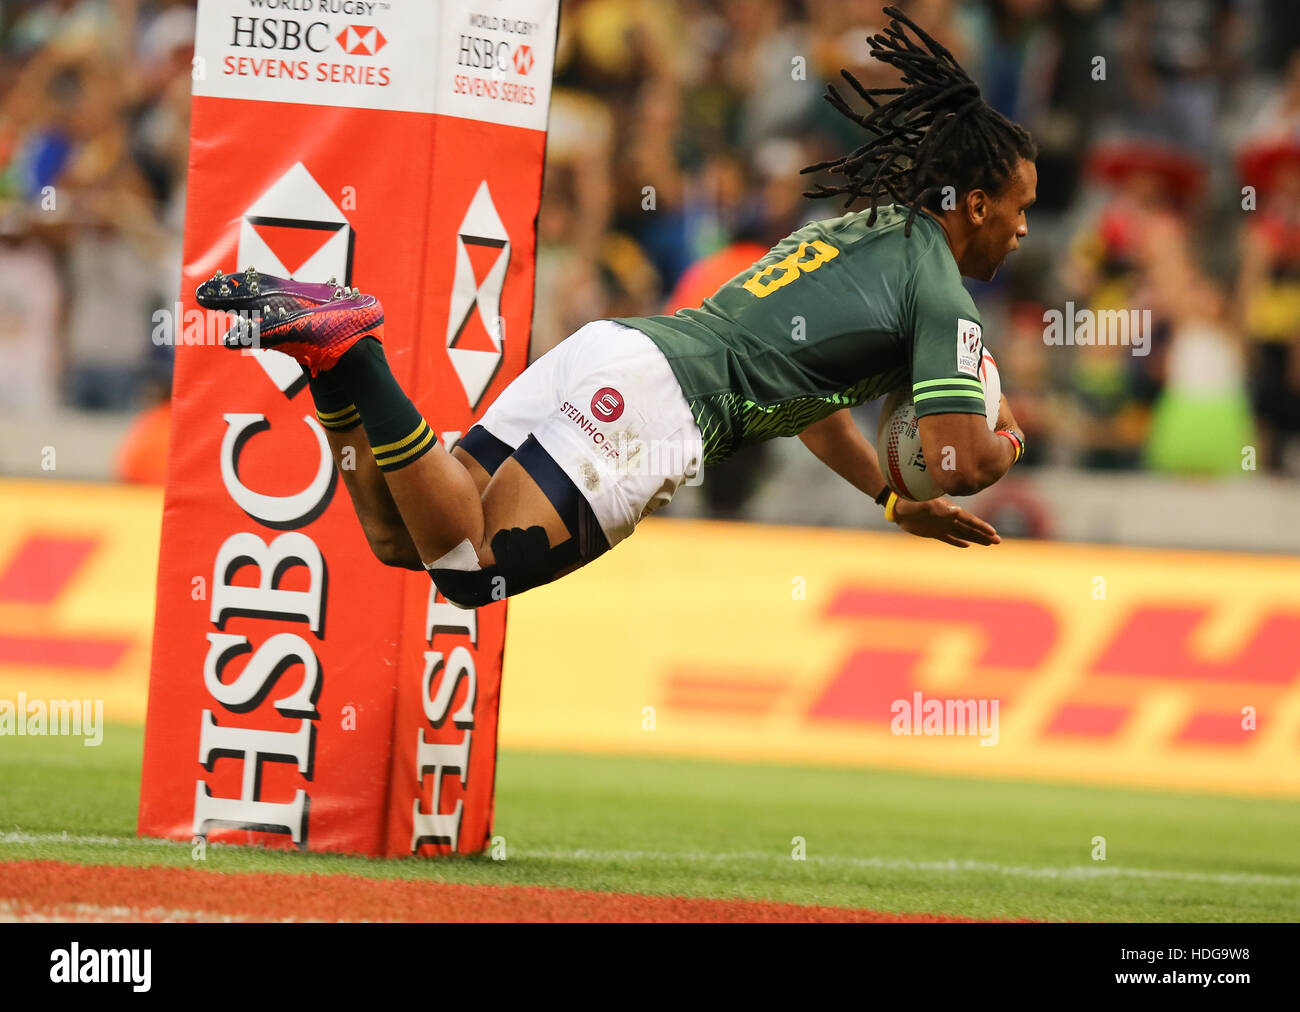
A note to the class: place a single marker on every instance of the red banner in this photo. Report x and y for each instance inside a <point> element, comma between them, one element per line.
<point>302,694</point>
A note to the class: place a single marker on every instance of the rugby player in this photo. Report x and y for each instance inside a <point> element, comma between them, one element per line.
<point>603,429</point>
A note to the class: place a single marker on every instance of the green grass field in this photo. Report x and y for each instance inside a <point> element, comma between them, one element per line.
<point>885,841</point>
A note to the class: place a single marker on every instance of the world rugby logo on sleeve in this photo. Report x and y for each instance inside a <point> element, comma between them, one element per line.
<point>969,347</point>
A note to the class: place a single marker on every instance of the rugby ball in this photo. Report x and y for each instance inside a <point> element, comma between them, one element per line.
<point>898,439</point>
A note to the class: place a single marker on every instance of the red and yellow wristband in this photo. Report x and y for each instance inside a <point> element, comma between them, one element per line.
<point>1017,441</point>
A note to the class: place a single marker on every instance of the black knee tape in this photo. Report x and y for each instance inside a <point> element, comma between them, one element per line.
<point>524,559</point>
<point>571,504</point>
<point>484,447</point>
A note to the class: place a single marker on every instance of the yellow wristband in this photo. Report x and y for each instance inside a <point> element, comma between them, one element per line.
<point>891,508</point>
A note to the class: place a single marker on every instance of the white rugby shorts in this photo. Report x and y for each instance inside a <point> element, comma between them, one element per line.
<point>604,403</point>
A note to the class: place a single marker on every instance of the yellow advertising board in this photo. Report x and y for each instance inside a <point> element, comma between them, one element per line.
<point>784,645</point>
<point>78,565</point>
<point>1024,660</point>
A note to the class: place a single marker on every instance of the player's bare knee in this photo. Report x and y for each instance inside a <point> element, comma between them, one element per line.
<point>393,549</point>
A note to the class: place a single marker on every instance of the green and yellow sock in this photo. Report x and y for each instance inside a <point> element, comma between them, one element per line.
<point>334,408</point>
<point>397,431</point>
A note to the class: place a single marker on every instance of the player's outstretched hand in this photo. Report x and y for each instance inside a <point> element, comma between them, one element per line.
<point>944,521</point>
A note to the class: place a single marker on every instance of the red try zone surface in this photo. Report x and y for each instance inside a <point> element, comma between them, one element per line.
<point>52,890</point>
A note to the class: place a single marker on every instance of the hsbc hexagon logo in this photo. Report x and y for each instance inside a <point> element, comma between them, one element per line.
<point>475,328</point>
<point>294,230</point>
<point>523,57</point>
<point>361,40</point>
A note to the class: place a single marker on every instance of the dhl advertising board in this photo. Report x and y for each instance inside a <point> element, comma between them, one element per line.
<point>301,694</point>
<point>1109,666</point>
<point>77,573</point>
<point>1024,660</point>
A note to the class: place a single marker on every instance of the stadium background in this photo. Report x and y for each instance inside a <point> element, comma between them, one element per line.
<point>1139,628</point>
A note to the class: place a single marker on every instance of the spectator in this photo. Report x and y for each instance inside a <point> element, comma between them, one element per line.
<point>29,314</point>
<point>1268,292</point>
<point>1179,58</point>
<point>676,135</point>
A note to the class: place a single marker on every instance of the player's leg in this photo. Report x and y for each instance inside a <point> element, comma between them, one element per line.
<point>373,503</point>
<point>532,524</point>
<point>600,427</point>
<point>398,478</point>
<point>274,303</point>
<point>529,523</point>
<point>541,527</point>
<point>514,494</point>
<point>380,519</point>
<point>335,333</point>
<point>481,540</point>
<point>435,494</point>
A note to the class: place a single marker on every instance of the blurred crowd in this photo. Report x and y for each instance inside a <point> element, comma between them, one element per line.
<point>94,136</point>
<point>1169,181</point>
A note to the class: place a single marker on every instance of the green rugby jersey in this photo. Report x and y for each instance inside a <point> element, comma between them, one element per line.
<point>836,314</point>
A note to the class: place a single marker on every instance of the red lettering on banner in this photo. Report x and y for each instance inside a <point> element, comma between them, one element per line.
<point>723,691</point>
<point>1018,633</point>
<point>1213,729</point>
<point>1155,643</point>
<point>518,93</point>
<point>249,66</point>
<point>351,73</point>
<point>42,567</point>
<point>301,70</point>
<point>483,87</point>
<point>86,652</point>
<point>39,574</point>
<point>1016,641</point>
<point>867,685</point>
<point>1088,721</point>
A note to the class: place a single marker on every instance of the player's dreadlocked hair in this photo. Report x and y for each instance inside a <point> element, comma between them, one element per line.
<point>935,131</point>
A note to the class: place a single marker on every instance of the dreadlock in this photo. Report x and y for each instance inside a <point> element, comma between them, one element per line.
<point>934,131</point>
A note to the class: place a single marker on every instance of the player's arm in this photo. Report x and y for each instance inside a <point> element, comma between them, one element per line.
<point>839,444</point>
<point>962,455</point>
<point>965,455</point>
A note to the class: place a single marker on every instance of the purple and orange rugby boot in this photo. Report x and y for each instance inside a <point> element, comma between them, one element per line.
<point>312,323</point>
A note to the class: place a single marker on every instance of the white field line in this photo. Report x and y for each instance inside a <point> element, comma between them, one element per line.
<point>950,866</point>
<point>904,864</point>
<point>19,839</point>
<point>12,911</point>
